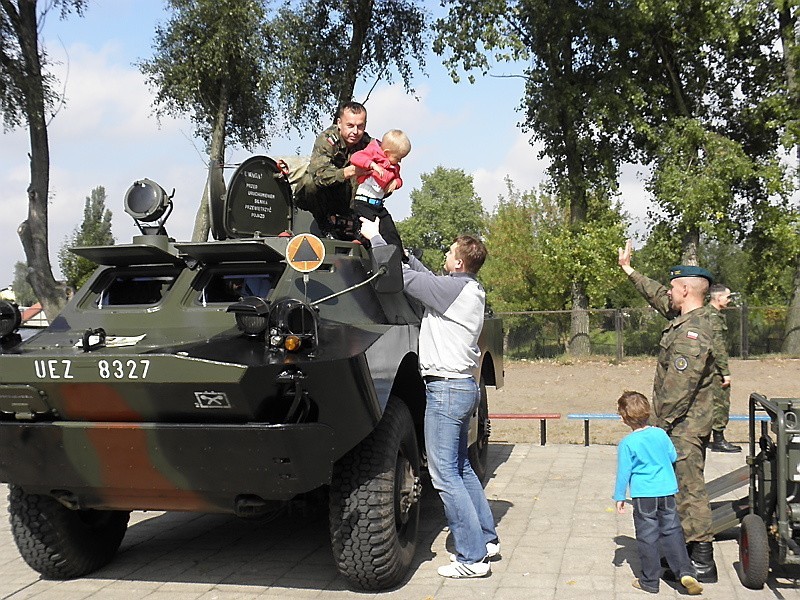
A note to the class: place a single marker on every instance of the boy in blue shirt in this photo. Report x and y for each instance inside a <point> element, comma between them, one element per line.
<point>645,460</point>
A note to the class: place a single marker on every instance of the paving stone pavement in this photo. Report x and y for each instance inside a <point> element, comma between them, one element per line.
<point>561,539</point>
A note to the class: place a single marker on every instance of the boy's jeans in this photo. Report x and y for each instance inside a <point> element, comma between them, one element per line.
<point>451,403</point>
<point>656,522</point>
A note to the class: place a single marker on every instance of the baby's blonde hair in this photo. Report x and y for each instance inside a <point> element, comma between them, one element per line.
<point>397,142</point>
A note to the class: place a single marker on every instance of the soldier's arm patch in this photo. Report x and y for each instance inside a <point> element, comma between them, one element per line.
<point>331,140</point>
<point>681,363</point>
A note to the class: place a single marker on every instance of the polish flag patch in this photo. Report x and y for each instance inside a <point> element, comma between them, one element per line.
<point>692,335</point>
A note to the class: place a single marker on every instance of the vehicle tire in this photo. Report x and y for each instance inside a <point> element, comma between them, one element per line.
<point>61,543</point>
<point>753,552</point>
<point>374,503</point>
<point>479,451</point>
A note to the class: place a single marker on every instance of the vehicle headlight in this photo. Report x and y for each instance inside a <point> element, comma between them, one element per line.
<point>10,318</point>
<point>251,315</point>
<point>292,325</point>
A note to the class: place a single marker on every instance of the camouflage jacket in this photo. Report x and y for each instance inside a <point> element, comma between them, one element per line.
<point>331,155</point>
<point>720,327</point>
<point>682,390</point>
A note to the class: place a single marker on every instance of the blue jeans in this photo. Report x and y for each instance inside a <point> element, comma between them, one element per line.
<point>656,522</point>
<point>450,404</point>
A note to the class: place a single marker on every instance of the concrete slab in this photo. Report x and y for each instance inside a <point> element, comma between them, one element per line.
<point>561,539</point>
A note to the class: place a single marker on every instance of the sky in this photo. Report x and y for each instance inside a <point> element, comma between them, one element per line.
<point>106,134</point>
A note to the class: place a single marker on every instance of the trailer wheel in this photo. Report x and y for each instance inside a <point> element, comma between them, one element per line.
<point>753,552</point>
<point>479,451</point>
<point>374,503</point>
<point>61,543</point>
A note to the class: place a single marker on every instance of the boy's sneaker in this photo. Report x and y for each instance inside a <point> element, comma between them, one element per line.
<point>639,586</point>
<point>457,570</point>
<point>692,586</point>
<point>492,550</point>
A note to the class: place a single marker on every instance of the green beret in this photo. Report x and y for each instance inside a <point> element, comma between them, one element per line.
<point>690,271</point>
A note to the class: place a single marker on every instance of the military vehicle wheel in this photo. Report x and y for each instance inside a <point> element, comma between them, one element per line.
<point>61,543</point>
<point>753,552</point>
<point>479,451</point>
<point>374,503</point>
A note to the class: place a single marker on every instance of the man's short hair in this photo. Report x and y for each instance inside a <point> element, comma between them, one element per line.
<point>397,141</point>
<point>471,251</point>
<point>353,107</point>
<point>717,290</point>
<point>697,285</point>
<point>634,409</point>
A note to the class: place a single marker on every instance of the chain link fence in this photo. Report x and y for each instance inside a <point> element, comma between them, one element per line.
<point>752,331</point>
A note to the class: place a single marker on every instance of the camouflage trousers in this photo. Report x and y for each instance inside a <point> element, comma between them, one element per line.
<point>722,406</point>
<point>693,506</point>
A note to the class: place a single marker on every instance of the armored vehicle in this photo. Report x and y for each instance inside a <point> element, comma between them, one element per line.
<point>226,376</point>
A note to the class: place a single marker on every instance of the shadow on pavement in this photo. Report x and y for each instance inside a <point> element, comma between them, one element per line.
<point>290,549</point>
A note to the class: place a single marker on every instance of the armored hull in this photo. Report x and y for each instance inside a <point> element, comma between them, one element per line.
<point>223,376</point>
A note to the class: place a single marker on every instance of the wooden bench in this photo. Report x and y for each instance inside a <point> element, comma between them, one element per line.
<point>586,417</point>
<point>542,417</point>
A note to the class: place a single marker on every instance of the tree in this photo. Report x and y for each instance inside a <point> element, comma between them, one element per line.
<point>442,209</point>
<point>705,113</point>
<point>213,61</point>
<point>535,254</point>
<point>574,95</point>
<point>26,97</point>
<point>23,292</point>
<point>95,230</point>
<point>787,11</point>
<point>518,274</point>
<point>327,46</point>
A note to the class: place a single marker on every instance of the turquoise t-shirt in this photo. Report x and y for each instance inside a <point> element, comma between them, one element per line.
<point>645,461</point>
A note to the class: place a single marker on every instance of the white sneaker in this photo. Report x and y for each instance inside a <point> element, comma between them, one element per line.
<point>457,570</point>
<point>492,550</point>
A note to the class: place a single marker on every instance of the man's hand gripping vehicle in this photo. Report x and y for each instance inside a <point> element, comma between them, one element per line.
<point>224,376</point>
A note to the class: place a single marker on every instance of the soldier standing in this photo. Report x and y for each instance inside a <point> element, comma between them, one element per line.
<point>328,186</point>
<point>720,298</point>
<point>683,395</point>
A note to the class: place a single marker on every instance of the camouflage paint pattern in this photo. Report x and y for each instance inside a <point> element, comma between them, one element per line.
<point>323,186</point>
<point>193,416</point>
<point>683,396</point>
<point>722,396</point>
<point>693,505</point>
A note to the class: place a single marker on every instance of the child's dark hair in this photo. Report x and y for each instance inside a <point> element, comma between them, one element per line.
<point>634,409</point>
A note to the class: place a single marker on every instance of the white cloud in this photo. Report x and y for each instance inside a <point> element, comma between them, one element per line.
<point>106,135</point>
<point>103,135</point>
<point>521,164</point>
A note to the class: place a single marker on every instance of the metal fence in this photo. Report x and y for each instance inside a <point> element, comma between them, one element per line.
<point>752,331</point>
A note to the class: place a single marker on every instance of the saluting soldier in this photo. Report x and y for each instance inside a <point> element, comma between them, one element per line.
<point>328,186</point>
<point>720,298</point>
<point>683,395</point>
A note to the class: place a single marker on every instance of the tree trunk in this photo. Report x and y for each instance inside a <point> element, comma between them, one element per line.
<point>791,336</point>
<point>578,207</point>
<point>33,231</point>
<point>689,246</point>
<point>213,192</point>
<point>787,23</point>
<point>579,321</point>
<point>360,12</point>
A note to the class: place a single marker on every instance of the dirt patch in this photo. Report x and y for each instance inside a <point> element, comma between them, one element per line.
<point>593,386</point>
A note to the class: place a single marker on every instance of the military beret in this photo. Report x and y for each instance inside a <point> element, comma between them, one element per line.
<point>690,271</point>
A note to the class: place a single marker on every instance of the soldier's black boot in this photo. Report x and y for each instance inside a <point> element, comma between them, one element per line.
<point>720,444</point>
<point>702,555</point>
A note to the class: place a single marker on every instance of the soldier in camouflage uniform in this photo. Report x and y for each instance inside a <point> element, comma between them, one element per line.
<point>683,395</point>
<point>329,184</point>
<point>720,298</point>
